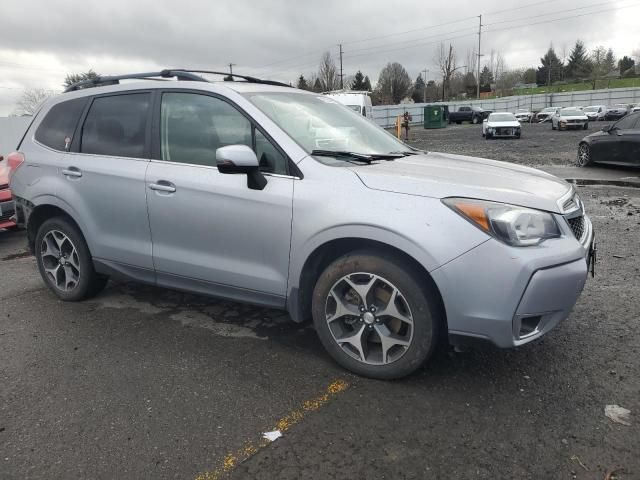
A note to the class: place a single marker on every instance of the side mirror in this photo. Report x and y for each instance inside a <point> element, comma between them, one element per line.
<point>607,128</point>
<point>234,159</point>
<point>485,120</point>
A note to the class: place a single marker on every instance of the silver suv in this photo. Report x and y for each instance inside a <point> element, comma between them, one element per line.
<point>262,193</point>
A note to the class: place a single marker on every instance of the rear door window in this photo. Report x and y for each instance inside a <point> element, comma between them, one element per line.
<point>117,126</point>
<point>57,128</point>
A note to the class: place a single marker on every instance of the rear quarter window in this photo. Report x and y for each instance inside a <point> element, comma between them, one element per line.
<point>57,128</point>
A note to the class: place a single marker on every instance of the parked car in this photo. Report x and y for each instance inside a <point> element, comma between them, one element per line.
<point>359,102</point>
<point>635,109</point>
<point>617,144</point>
<point>546,113</point>
<point>289,200</point>
<point>523,115</point>
<point>468,114</point>
<point>617,112</point>
<point>568,118</point>
<point>7,207</point>
<point>596,112</point>
<point>501,125</point>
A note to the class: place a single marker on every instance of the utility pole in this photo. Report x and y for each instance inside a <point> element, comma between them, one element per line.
<point>231,69</point>
<point>426,72</point>
<point>341,74</point>
<point>479,54</point>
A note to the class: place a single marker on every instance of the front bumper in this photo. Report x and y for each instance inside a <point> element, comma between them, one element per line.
<point>511,296</point>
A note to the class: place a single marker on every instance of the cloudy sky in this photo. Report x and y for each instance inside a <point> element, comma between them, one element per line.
<point>42,40</point>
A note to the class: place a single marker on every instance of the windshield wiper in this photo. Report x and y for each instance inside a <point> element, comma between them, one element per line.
<point>405,153</point>
<point>363,157</point>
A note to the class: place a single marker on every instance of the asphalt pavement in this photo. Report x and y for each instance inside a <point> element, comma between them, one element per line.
<point>142,382</point>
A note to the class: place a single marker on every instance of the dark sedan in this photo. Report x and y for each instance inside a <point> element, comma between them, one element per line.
<point>617,144</point>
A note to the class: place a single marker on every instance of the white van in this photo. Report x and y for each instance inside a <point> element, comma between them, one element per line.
<point>358,101</point>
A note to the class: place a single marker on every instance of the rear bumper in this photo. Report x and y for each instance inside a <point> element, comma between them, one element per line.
<point>512,296</point>
<point>7,211</point>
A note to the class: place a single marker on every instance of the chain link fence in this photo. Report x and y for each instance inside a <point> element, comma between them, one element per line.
<point>385,115</point>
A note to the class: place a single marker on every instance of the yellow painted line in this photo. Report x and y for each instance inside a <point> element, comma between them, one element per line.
<point>251,447</point>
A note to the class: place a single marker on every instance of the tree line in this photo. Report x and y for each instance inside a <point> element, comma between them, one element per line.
<point>394,84</point>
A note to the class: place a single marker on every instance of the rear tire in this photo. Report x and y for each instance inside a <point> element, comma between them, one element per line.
<point>584,155</point>
<point>64,261</point>
<point>475,120</point>
<point>586,126</point>
<point>386,317</point>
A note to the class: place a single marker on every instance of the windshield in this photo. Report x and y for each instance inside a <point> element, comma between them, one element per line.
<point>316,122</point>
<point>549,109</point>
<point>355,108</point>
<point>592,109</point>
<point>571,113</point>
<point>502,117</point>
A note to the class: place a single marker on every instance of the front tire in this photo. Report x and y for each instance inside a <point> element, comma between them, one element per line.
<point>375,316</point>
<point>584,155</point>
<point>65,262</point>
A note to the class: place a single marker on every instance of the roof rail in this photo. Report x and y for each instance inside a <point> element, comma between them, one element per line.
<point>246,78</point>
<point>179,74</point>
<point>344,90</point>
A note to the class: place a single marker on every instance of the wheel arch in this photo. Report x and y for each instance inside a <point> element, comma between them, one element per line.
<point>43,211</point>
<point>299,297</point>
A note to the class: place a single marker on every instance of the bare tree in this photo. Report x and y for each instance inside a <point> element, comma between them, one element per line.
<point>472,62</point>
<point>328,73</point>
<point>501,69</point>
<point>394,83</point>
<point>446,60</point>
<point>30,100</point>
<point>599,67</point>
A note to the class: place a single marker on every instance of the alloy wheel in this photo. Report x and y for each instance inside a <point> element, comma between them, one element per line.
<point>369,318</point>
<point>60,260</point>
<point>584,155</point>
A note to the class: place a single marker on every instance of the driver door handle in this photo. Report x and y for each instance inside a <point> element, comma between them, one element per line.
<point>163,186</point>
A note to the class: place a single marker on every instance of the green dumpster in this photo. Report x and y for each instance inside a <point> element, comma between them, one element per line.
<point>436,116</point>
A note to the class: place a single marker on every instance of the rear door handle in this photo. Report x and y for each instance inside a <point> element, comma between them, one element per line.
<point>163,186</point>
<point>72,172</point>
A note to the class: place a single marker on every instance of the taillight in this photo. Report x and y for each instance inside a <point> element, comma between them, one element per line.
<point>14,160</point>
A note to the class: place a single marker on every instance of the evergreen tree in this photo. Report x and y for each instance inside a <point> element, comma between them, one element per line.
<point>610,61</point>
<point>72,78</point>
<point>302,83</point>
<point>358,82</point>
<point>551,69</point>
<point>367,84</point>
<point>418,92</point>
<point>317,86</point>
<point>486,79</point>
<point>625,64</point>
<point>578,63</point>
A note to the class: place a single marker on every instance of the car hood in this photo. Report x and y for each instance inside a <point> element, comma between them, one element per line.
<point>513,123</point>
<point>442,175</point>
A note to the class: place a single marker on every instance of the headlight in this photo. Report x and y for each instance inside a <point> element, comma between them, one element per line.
<point>513,225</point>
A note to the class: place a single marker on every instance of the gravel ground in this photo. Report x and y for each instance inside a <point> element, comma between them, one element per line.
<point>539,145</point>
<point>148,383</point>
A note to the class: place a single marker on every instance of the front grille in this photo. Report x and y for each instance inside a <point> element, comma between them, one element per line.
<point>505,131</point>
<point>577,226</point>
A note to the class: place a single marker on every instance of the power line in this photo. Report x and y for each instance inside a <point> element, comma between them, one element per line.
<point>548,14</point>
<point>561,18</point>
